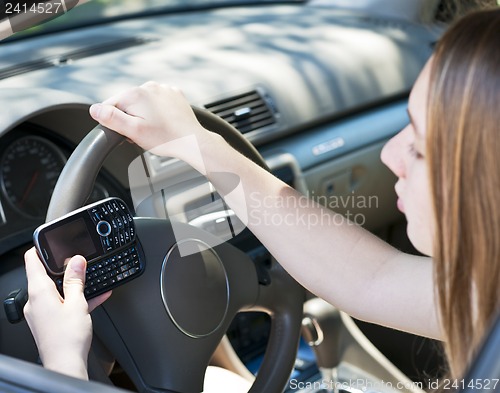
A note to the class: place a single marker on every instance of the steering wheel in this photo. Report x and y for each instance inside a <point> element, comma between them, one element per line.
<point>164,326</point>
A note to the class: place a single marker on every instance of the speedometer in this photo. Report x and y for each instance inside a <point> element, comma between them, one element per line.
<point>30,167</point>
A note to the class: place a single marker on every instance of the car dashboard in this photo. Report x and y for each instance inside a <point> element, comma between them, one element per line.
<point>317,89</point>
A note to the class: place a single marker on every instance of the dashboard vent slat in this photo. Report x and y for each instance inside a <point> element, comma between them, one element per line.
<point>246,112</point>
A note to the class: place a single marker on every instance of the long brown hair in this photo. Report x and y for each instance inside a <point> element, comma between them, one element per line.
<point>463,145</point>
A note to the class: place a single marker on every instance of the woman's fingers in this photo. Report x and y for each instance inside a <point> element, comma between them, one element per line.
<point>98,300</point>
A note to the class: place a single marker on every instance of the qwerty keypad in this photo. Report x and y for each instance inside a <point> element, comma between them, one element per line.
<point>101,275</point>
<point>106,272</point>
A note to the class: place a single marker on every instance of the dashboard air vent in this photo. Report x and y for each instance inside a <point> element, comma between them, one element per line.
<point>247,111</point>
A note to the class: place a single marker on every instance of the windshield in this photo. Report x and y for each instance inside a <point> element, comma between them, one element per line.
<point>90,12</point>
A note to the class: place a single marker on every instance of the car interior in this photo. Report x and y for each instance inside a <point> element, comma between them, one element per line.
<point>312,91</point>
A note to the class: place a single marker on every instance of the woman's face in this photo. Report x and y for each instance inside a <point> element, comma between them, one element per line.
<point>405,155</point>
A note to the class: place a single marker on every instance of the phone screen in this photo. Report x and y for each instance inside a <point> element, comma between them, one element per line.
<point>72,238</point>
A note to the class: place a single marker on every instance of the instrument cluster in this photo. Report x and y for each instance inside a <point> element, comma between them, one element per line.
<point>31,160</point>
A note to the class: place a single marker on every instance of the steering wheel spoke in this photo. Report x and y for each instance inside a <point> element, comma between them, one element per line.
<point>181,307</point>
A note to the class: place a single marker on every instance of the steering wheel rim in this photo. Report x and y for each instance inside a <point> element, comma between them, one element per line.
<point>282,298</point>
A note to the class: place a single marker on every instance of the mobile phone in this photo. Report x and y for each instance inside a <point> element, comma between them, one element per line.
<point>103,233</point>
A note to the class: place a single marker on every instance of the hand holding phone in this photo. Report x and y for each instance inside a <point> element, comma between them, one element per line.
<point>62,329</point>
<point>103,233</point>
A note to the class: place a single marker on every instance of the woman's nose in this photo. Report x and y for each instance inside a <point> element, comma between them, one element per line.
<point>392,154</point>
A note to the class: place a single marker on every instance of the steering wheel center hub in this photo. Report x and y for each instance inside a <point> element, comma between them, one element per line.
<point>197,309</point>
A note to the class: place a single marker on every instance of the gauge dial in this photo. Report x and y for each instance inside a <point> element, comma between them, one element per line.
<point>30,167</point>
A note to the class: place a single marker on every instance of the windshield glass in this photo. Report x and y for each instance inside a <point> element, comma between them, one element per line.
<point>90,12</point>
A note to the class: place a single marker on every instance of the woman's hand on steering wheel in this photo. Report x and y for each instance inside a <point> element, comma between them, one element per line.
<point>151,115</point>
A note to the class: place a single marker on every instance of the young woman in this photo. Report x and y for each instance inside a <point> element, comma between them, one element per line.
<point>448,181</point>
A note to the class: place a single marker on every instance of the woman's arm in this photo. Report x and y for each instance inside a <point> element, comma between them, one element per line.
<point>327,254</point>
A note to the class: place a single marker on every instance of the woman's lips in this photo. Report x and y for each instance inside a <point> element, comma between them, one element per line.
<point>400,205</point>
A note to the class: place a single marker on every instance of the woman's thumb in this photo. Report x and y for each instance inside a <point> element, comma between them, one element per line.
<point>74,277</point>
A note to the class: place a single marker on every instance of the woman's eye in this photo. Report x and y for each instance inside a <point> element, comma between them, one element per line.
<point>414,152</point>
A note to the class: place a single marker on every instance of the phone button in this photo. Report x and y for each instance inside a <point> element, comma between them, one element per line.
<point>96,215</point>
<point>107,243</point>
<point>45,254</point>
<point>103,228</point>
